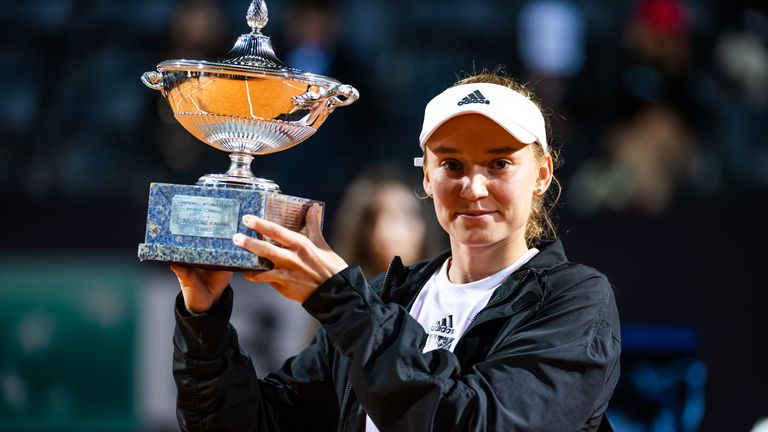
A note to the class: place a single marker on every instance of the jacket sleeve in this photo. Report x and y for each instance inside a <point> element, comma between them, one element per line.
<point>217,385</point>
<point>549,374</point>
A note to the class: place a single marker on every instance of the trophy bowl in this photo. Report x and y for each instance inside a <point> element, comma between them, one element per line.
<point>247,103</point>
<point>244,111</point>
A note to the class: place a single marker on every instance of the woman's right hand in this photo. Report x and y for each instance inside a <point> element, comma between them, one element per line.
<point>201,288</point>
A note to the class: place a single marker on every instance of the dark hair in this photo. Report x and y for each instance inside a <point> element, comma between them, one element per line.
<point>354,219</point>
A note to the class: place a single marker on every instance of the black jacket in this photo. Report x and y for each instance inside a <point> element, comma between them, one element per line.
<point>543,355</point>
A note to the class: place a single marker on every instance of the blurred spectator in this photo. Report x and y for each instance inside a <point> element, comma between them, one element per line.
<point>198,30</point>
<point>552,45</point>
<point>651,149</point>
<point>380,217</point>
<point>312,34</point>
<point>646,159</point>
<point>658,61</point>
<point>659,35</point>
<point>741,58</point>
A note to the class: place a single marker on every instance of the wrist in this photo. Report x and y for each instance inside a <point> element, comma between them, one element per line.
<point>205,334</point>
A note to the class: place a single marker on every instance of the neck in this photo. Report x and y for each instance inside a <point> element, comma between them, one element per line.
<point>472,263</point>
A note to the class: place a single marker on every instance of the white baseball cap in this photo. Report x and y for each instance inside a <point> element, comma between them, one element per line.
<point>517,114</point>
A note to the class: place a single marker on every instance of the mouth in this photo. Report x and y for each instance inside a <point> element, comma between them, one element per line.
<point>475,214</point>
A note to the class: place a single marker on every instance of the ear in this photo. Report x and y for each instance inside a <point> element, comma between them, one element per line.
<point>544,174</point>
<point>426,184</point>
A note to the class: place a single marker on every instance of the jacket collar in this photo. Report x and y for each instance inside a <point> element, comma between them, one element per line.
<point>551,254</point>
<point>405,282</point>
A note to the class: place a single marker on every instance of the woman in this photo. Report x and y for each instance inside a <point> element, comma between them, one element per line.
<point>379,217</point>
<point>501,333</point>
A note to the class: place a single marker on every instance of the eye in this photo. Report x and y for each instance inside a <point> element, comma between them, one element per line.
<point>499,164</point>
<point>451,164</point>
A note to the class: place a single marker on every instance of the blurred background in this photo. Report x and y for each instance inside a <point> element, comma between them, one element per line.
<point>660,108</point>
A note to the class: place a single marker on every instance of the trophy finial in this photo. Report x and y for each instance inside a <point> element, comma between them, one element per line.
<point>257,16</point>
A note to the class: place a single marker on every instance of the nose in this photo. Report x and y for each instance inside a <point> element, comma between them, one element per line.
<point>474,187</point>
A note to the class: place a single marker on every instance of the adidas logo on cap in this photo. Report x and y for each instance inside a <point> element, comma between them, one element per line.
<point>474,97</point>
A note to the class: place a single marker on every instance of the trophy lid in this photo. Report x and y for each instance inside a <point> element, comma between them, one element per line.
<point>252,54</point>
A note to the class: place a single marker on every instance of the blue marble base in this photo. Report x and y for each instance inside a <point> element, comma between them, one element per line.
<point>194,225</point>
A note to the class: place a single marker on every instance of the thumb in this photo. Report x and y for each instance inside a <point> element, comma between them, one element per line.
<point>182,273</point>
<point>315,226</point>
<point>186,276</point>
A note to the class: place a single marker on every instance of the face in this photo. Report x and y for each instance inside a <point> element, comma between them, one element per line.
<point>398,227</point>
<point>482,181</point>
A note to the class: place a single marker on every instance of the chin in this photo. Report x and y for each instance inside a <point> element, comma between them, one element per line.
<point>476,240</point>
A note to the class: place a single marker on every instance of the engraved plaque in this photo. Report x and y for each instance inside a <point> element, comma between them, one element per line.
<point>287,212</point>
<point>204,216</point>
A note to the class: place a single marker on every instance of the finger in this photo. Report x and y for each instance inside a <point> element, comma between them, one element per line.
<point>279,280</point>
<point>257,276</point>
<point>315,226</point>
<point>275,276</point>
<point>274,231</point>
<point>262,248</point>
<point>256,279</point>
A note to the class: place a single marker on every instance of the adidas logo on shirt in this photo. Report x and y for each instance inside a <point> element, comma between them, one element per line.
<point>474,97</point>
<point>444,325</point>
<point>441,334</point>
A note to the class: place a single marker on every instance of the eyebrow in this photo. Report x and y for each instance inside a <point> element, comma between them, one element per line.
<point>444,150</point>
<point>451,150</point>
<point>502,150</point>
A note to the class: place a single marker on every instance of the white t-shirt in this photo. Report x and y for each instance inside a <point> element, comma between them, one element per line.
<point>445,309</point>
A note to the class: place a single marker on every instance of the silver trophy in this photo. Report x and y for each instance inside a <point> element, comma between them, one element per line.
<point>247,103</point>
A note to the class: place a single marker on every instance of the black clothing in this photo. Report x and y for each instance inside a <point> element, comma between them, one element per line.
<point>543,355</point>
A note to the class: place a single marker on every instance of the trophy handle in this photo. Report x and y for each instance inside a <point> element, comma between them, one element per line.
<point>153,80</point>
<point>337,96</point>
<point>348,95</point>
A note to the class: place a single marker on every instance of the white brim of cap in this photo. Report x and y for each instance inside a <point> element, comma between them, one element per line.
<point>517,114</point>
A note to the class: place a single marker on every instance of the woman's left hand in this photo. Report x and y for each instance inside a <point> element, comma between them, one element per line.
<point>301,264</point>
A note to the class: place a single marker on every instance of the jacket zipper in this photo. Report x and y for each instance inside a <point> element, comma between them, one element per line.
<point>348,390</point>
<point>386,281</point>
<point>344,408</point>
<point>497,301</point>
<point>506,296</point>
